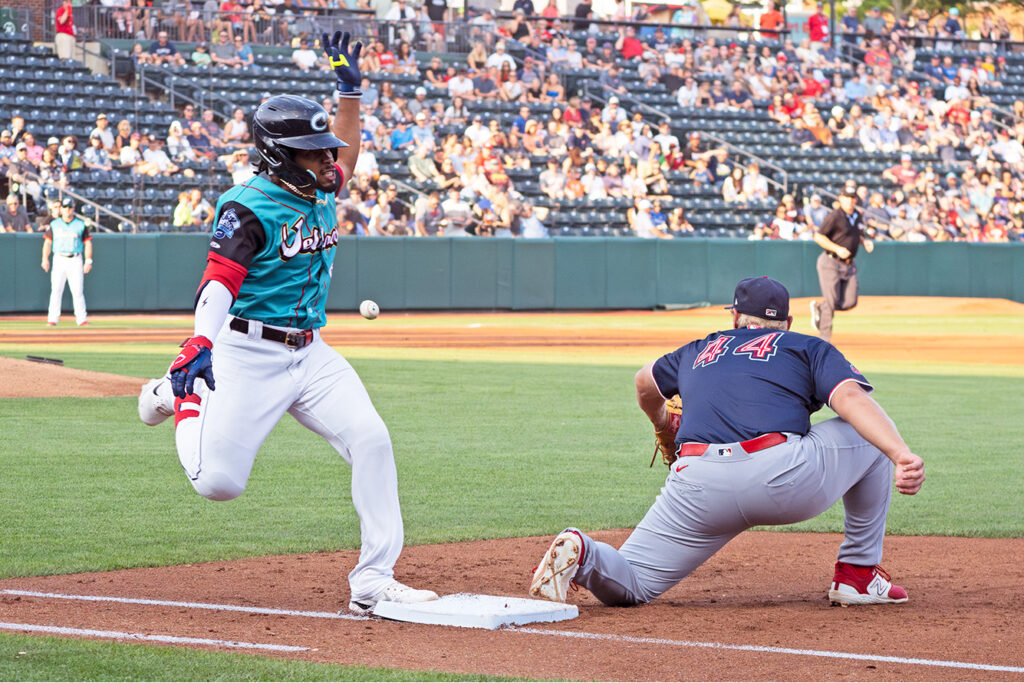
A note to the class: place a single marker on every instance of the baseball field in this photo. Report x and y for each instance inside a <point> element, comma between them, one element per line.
<point>506,429</point>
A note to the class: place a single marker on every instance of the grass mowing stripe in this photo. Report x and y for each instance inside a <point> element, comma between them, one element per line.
<point>45,658</point>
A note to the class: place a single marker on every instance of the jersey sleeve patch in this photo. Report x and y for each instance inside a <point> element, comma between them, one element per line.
<point>238,235</point>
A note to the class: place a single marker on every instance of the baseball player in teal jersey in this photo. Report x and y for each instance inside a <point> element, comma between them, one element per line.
<point>747,455</point>
<point>257,352</point>
<point>68,239</point>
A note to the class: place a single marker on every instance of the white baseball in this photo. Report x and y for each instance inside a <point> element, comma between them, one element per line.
<point>369,309</point>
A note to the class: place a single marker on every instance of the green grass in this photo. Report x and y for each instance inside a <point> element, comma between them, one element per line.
<point>35,658</point>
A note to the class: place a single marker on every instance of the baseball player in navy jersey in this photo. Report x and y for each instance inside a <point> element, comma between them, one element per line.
<point>257,352</point>
<point>68,239</point>
<point>747,455</point>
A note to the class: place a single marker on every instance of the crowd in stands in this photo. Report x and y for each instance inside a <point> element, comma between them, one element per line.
<point>598,149</point>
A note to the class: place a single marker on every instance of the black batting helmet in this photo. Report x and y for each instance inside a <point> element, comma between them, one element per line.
<point>285,123</point>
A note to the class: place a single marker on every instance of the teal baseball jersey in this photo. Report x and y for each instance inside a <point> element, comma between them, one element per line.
<point>68,238</point>
<point>286,246</point>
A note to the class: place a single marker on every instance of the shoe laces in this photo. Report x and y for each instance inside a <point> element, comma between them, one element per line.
<point>878,570</point>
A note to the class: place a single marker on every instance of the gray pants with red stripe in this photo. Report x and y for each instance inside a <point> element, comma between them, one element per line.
<point>709,499</point>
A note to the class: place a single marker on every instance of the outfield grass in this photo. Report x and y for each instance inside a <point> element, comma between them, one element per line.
<point>42,658</point>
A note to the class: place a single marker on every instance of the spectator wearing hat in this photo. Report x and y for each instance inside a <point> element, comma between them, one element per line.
<point>818,25</point>
<point>156,158</point>
<point>20,175</point>
<point>239,166</point>
<point>96,156</point>
<point>874,23</point>
<point>64,38</point>
<point>67,238</point>
<point>14,218</point>
<point>162,51</point>
<point>401,136</point>
<point>952,26</point>
<point>642,223</point>
<point>201,56</point>
<point>422,131</point>
<point>607,57</point>
<point>103,131</point>
<point>499,57</point>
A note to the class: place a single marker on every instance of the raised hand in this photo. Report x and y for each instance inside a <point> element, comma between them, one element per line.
<point>344,62</point>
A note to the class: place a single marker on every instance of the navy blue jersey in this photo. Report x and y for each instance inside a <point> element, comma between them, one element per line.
<point>738,384</point>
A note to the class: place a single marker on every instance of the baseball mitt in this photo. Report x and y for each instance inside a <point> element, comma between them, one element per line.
<point>665,439</point>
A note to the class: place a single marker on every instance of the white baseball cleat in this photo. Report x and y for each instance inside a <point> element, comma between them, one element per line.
<point>815,315</point>
<point>554,574</point>
<point>856,585</point>
<point>156,402</point>
<point>393,592</point>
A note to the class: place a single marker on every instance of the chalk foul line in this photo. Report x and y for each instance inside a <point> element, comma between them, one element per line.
<point>177,640</point>
<point>612,637</point>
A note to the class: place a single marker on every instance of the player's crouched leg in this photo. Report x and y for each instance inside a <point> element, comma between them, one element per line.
<point>218,486</point>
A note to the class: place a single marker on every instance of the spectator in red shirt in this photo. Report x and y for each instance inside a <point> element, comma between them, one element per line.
<point>817,26</point>
<point>877,55</point>
<point>64,40</point>
<point>770,20</point>
<point>903,174</point>
<point>628,44</point>
<point>812,87</point>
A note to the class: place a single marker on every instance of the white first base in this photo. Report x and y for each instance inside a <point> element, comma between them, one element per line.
<point>470,610</point>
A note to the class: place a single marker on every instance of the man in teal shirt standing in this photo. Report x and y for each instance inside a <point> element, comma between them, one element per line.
<point>69,241</point>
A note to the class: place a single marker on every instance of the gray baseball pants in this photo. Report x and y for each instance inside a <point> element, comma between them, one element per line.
<point>838,282</point>
<point>709,499</point>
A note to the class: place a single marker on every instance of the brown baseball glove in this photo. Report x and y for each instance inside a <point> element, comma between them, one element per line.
<point>665,439</point>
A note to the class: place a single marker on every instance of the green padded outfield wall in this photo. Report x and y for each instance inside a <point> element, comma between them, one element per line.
<point>160,272</point>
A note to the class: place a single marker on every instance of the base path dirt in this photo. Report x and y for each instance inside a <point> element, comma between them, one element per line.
<point>741,616</point>
<point>31,379</point>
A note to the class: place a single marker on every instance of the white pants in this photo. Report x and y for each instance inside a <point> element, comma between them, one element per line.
<point>67,269</point>
<point>64,45</point>
<point>257,382</point>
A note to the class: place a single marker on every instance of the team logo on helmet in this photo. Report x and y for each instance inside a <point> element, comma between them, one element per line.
<point>319,121</point>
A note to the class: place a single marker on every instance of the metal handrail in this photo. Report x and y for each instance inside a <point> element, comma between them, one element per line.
<point>81,199</point>
<point>784,185</point>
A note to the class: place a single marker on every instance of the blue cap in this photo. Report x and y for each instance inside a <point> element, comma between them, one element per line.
<point>761,297</point>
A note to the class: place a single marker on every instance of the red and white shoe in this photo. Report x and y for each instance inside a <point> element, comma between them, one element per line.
<point>857,585</point>
<point>554,574</point>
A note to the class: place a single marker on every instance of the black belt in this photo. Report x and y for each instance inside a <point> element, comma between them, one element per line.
<point>832,254</point>
<point>67,255</point>
<point>294,340</point>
